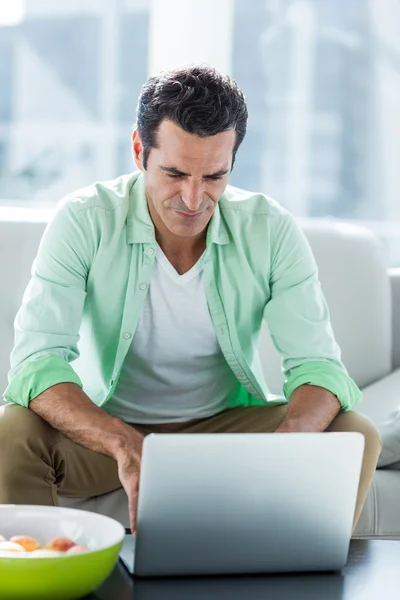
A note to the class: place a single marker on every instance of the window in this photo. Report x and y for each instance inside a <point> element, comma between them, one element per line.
<point>71,73</point>
<point>321,78</point>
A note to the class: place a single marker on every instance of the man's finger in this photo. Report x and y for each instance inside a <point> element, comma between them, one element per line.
<point>133,498</point>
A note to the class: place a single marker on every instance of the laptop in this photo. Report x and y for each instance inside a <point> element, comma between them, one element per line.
<point>244,503</point>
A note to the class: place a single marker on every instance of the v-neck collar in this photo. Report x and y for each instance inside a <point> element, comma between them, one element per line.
<point>173,273</point>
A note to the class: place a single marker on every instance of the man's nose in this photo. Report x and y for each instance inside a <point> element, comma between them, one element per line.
<point>192,195</point>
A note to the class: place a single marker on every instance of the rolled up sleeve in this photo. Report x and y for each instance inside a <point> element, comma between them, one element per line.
<point>47,324</point>
<point>298,318</point>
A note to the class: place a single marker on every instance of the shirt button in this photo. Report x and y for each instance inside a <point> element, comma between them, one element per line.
<point>127,335</point>
<point>143,286</point>
<point>150,251</point>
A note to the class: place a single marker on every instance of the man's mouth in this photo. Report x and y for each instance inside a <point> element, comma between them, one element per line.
<point>188,216</point>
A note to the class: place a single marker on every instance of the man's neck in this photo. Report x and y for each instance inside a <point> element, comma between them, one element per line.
<point>182,253</point>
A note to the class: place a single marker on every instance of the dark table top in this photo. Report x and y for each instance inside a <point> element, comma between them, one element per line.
<point>372,573</point>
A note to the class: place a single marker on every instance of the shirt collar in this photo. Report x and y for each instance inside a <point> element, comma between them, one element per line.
<point>140,227</point>
<point>217,232</point>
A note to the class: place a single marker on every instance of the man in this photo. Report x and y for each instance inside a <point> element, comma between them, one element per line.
<point>164,278</point>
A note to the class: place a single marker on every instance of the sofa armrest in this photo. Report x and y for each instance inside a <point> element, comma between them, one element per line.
<point>395,285</point>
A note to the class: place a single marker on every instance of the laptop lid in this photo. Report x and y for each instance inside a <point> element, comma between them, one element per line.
<point>246,503</point>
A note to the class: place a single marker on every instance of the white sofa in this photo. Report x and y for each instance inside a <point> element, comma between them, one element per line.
<point>364,301</point>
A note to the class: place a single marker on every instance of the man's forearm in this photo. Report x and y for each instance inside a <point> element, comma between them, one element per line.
<point>310,408</point>
<point>68,409</point>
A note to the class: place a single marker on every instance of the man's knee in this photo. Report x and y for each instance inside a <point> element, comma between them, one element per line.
<point>22,432</point>
<point>26,441</point>
<point>15,419</point>
<point>353,421</point>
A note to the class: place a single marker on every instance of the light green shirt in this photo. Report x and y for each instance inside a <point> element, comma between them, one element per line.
<point>93,270</point>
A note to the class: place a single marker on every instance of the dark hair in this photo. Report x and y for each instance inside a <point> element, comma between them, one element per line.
<point>197,98</point>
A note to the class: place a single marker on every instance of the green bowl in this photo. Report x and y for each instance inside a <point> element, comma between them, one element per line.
<point>62,577</point>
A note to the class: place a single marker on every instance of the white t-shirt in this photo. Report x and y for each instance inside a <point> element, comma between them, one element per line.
<point>174,370</point>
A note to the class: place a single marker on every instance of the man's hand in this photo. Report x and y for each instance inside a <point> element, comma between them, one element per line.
<point>68,409</point>
<point>129,475</point>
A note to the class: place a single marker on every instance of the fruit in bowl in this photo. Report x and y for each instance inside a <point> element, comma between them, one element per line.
<point>50,552</point>
<point>28,543</point>
<point>62,544</point>
<point>55,547</point>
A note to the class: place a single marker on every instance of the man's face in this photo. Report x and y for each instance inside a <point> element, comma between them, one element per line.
<point>185,177</point>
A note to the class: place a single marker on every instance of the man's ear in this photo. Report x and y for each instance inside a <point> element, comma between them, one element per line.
<point>137,150</point>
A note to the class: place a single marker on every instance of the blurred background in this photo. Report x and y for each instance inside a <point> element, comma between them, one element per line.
<point>321,78</point>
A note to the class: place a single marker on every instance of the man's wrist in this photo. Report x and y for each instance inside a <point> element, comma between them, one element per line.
<point>127,442</point>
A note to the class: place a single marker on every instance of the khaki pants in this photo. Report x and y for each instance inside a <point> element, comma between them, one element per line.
<point>38,462</point>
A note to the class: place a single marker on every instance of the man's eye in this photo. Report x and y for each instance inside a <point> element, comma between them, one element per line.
<point>210,178</point>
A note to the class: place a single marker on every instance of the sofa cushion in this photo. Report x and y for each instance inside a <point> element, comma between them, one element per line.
<point>19,242</point>
<point>381,398</point>
<point>390,433</point>
<point>381,403</point>
<point>355,281</point>
<point>381,513</point>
